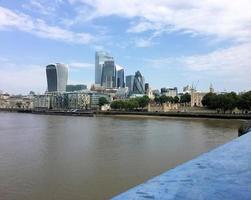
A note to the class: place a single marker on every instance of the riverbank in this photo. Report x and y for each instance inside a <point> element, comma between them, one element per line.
<point>175,114</point>
<point>134,114</point>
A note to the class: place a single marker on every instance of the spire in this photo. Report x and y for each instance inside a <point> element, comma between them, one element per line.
<point>211,89</point>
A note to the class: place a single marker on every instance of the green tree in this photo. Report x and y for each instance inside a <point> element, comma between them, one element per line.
<point>222,102</point>
<point>115,105</point>
<point>244,102</point>
<point>143,101</point>
<point>176,99</point>
<point>133,104</point>
<point>185,98</point>
<point>210,100</point>
<point>102,101</point>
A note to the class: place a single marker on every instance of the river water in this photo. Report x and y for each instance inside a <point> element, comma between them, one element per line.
<point>67,158</point>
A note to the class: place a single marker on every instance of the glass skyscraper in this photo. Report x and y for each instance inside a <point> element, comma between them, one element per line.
<point>138,83</point>
<point>129,82</point>
<point>100,58</point>
<point>108,78</point>
<point>120,76</point>
<point>57,77</point>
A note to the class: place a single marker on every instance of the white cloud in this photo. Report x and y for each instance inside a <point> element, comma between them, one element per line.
<point>20,79</point>
<point>38,27</point>
<point>221,18</point>
<point>142,42</point>
<point>229,67</point>
<point>81,65</point>
<point>37,6</point>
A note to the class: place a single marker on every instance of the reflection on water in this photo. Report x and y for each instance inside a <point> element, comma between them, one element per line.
<point>61,157</point>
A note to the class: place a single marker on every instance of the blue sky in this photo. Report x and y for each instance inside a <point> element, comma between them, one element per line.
<point>173,43</point>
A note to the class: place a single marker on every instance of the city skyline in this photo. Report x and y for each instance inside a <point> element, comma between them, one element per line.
<point>172,43</point>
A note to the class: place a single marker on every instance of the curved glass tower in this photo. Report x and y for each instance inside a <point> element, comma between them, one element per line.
<point>57,76</point>
<point>138,84</point>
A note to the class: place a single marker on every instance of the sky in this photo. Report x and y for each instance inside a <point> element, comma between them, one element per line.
<point>173,43</point>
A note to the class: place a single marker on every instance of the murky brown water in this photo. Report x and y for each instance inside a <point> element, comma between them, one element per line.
<point>67,158</point>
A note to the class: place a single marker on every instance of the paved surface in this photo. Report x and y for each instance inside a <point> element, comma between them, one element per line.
<point>223,173</point>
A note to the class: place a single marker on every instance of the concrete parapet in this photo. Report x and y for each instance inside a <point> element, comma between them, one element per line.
<point>223,173</point>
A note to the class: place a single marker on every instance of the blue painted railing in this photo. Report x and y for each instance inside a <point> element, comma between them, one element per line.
<point>223,173</point>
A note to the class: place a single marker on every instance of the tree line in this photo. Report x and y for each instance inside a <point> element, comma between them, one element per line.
<point>185,98</point>
<point>142,102</point>
<point>131,104</point>
<point>228,101</point>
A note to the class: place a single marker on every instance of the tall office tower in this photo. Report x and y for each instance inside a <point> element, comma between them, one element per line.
<point>138,84</point>
<point>57,76</point>
<point>100,58</point>
<point>120,76</point>
<point>108,79</point>
<point>129,83</point>
<point>147,87</point>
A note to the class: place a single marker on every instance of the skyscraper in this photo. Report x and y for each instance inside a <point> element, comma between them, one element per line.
<point>129,83</point>
<point>108,79</point>
<point>120,76</point>
<point>57,76</point>
<point>100,58</point>
<point>138,83</point>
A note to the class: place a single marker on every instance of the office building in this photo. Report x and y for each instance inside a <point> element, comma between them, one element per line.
<point>108,79</point>
<point>129,83</point>
<point>57,76</point>
<point>138,83</point>
<point>100,58</point>
<point>147,87</point>
<point>94,99</point>
<point>120,76</point>
<point>169,92</point>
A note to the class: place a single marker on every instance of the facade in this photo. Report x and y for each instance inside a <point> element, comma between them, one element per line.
<point>122,93</point>
<point>57,77</point>
<point>16,102</point>
<point>73,88</point>
<point>41,102</point>
<point>120,77</point>
<point>150,94</point>
<point>58,101</point>
<point>100,58</point>
<point>78,100</point>
<point>196,98</point>
<point>109,73</point>
<point>129,83</point>
<point>138,84</point>
<point>165,107</point>
<point>169,92</point>
<point>94,99</point>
